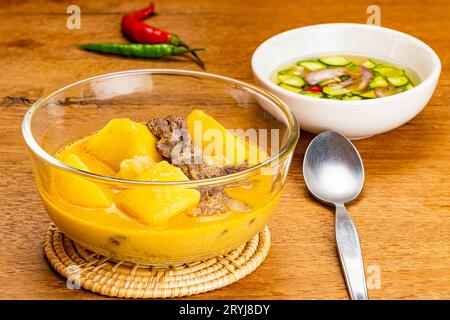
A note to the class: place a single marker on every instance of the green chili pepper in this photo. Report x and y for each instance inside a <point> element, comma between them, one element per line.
<point>138,50</point>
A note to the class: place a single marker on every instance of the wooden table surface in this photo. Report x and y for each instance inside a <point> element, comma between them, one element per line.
<point>403,215</point>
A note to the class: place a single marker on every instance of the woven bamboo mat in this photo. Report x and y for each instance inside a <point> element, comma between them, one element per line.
<point>99,274</point>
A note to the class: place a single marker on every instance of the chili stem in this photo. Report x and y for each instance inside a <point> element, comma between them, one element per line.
<point>196,57</point>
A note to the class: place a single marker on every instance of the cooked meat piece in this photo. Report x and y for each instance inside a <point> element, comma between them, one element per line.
<point>175,144</point>
<point>204,170</point>
<point>213,200</point>
<point>172,132</point>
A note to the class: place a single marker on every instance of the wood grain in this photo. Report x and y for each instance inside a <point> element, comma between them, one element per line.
<point>403,215</point>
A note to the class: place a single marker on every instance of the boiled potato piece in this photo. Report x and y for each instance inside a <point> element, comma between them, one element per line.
<point>122,139</point>
<point>219,143</point>
<point>92,163</point>
<point>77,190</point>
<point>157,207</point>
<point>131,168</point>
<point>162,171</point>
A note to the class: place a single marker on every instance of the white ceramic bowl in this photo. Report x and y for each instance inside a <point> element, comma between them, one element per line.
<point>354,119</point>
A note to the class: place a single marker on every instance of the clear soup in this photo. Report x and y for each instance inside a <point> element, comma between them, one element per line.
<point>345,77</point>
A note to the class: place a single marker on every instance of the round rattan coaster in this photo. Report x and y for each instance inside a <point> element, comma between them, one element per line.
<point>101,275</point>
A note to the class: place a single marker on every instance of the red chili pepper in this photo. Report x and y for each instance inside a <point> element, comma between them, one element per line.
<point>138,31</point>
<point>142,14</point>
<point>315,89</point>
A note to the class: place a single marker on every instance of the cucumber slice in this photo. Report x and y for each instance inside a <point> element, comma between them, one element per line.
<point>351,98</point>
<point>290,88</point>
<point>389,71</point>
<point>298,70</point>
<point>335,61</point>
<point>324,83</point>
<point>369,64</point>
<point>331,91</point>
<point>313,94</point>
<point>398,81</point>
<point>354,90</point>
<point>283,77</point>
<point>409,86</point>
<point>285,70</point>
<point>368,95</point>
<point>311,65</point>
<point>295,81</point>
<point>378,82</point>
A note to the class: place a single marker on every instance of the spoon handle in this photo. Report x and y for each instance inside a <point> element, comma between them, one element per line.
<point>350,254</point>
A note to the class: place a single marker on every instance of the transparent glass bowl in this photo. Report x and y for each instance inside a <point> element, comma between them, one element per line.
<point>82,108</point>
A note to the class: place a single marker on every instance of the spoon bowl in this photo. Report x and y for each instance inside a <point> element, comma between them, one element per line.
<point>333,169</point>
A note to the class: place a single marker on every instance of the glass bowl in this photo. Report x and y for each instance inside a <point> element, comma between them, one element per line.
<point>83,108</point>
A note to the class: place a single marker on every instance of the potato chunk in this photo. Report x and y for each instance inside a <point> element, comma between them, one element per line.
<point>122,139</point>
<point>155,206</point>
<point>78,190</point>
<point>221,144</point>
<point>162,171</point>
<point>131,168</point>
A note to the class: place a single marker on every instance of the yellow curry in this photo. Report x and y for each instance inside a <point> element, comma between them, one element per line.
<point>155,224</point>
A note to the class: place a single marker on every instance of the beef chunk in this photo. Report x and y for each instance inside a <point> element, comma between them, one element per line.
<point>175,145</point>
<point>213,200</point>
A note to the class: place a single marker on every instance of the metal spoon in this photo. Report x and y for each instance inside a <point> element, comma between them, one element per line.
<point>334,174</point>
